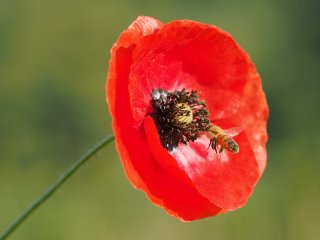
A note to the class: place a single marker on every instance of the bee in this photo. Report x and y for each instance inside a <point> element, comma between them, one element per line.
<point>222,139</point>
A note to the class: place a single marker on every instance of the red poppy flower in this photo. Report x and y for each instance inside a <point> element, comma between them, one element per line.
<point>168,85</point>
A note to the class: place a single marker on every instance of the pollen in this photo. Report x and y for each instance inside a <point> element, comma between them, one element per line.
<point>180,116</point>
<point>184,114</point>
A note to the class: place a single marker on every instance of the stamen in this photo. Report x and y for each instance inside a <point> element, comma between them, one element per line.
<point>180,116</point>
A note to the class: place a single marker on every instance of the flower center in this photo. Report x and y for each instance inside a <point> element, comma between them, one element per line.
<point>179,116</point>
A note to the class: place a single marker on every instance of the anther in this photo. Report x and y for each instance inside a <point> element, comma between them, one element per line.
<point>180,116</point>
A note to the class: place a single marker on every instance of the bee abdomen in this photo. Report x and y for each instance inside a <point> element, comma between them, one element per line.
<point>228,143</point>
<point>232,146</point>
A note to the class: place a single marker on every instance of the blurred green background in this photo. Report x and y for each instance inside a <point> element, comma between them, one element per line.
<point>53,62</point>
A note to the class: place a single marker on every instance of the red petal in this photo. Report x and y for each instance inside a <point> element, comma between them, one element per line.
<point>195,56</point>
<point>141,168</point>
<point>226,179</point>
<point>172,183</point>
<point>117,92</point>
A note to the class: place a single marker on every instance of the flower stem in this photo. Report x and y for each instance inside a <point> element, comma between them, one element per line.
<point>55,186</point>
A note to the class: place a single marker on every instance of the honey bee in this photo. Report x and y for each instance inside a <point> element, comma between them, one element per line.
<point>222,139</point>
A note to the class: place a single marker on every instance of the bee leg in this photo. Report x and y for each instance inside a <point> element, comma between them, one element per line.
<point>214,144</point>
<point>210,144</point>
<point>221,150</point>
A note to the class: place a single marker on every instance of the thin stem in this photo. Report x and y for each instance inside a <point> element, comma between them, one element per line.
<point>55,186</point>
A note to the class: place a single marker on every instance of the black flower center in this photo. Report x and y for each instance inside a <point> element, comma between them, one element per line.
<point>180,116</point>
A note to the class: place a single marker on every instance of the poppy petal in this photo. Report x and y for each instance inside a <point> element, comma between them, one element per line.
<point>224,179</point>
<point>141,168</point>
<point>171,181</point>
<point>194,182</point>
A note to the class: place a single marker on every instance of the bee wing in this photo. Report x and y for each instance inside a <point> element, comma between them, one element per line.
<point>232,132</point>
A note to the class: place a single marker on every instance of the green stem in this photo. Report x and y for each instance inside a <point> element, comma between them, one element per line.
<point>40,200</point>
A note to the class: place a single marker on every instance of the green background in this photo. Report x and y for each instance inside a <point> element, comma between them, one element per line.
<point>53,62</point>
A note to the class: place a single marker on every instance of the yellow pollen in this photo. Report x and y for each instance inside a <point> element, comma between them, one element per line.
<point>184,114</point>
